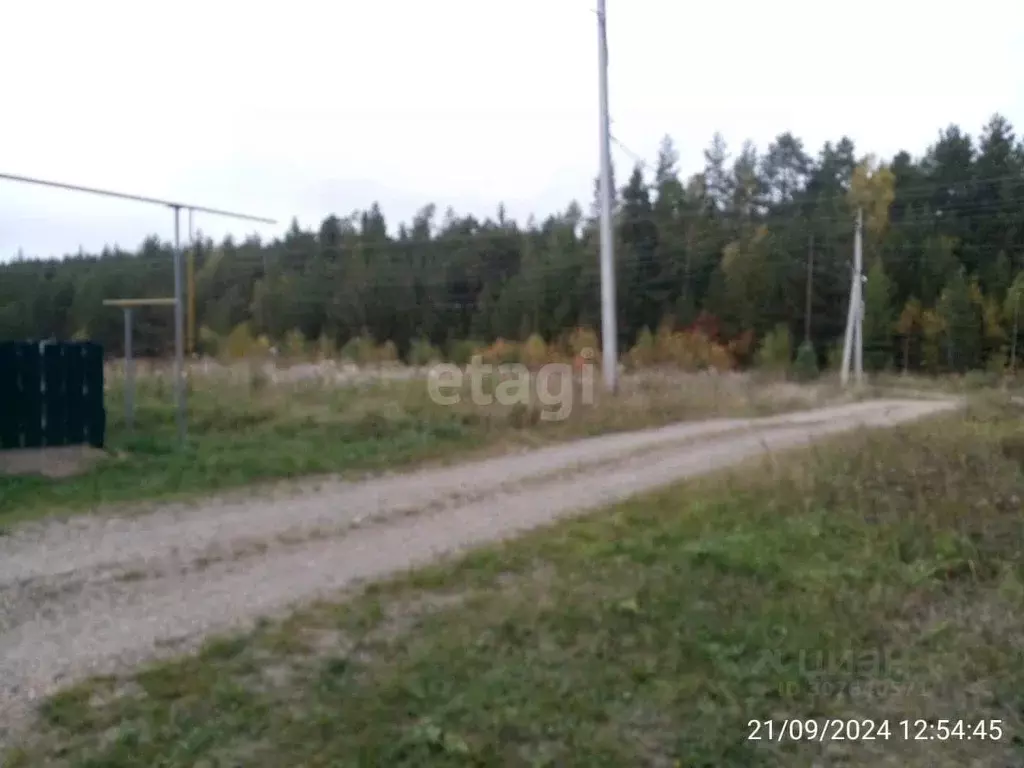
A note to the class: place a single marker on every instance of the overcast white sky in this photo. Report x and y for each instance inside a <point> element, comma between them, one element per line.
<point>306,108</point>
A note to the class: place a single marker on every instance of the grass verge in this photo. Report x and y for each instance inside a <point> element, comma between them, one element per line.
<point>250,431</point>
<point>878,577</point>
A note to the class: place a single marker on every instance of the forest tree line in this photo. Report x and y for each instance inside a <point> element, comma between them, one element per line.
<point>754,241</point>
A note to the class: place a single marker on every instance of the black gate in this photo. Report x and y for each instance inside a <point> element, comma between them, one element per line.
<point>51,393</point>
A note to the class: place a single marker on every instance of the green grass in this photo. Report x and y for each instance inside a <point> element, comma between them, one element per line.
<point>249,432</point>
<point>876,577</point>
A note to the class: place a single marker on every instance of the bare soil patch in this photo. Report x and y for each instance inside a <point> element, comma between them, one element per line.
<point>54,462</point>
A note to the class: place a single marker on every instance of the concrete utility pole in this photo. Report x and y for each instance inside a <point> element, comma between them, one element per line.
<point>609,331</point>
<point>853,343</point>
<point>858,261</point>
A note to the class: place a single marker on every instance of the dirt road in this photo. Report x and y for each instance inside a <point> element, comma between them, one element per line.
<point>97,594</point>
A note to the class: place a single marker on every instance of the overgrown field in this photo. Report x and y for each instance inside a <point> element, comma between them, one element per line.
<point>244,427</point>
<point>878,577</point>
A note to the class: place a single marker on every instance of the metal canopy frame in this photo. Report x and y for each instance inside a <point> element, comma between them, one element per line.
<point>176,302</point>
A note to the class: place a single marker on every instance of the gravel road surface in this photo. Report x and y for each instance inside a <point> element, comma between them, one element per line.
<point>98,594</point>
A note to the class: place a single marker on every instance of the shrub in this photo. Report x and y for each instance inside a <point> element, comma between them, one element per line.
<point>461,351</point>
<point>294,344</point>
<point>665,343</point>
<point>360,349</point>
<point>588,356</point>
<point>998,361</point>
<point>742,347</point>
<point>980,379</point>
<point>582,339</point>
<point>521,416</point>
<point>500,353</point>
<point>239,344</point>
<point>835,356</point>
<point>422,352</point>
<point>776,350</point>
<point>534,352</point>
<point>209,342</point>
<point>706,325</point>
<point>690,350</point>
<point>386,353</point>
<point>805,368</point>
<point>325,348</point>
<point>720,358</point>
<point>643,352</point>
<point>683,350</point>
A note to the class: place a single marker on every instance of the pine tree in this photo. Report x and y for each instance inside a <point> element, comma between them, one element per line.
<point>962,324</point>
<point>878,318</point>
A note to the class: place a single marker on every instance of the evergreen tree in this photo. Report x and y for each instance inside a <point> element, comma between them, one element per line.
<point>962,324</point>
<point>878,318</point>
<point>732,242</point>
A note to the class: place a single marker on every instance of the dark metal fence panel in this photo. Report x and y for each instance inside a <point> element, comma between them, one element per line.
<point>74,390</point>
<point>10,396</point>
<point>31,395</point>
<point>55,402</point>
<point>51,393</point>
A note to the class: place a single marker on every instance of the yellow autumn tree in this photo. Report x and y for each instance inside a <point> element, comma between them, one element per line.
<point>534,351</point>
<point>873,189</point>
<point>239,343</point>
